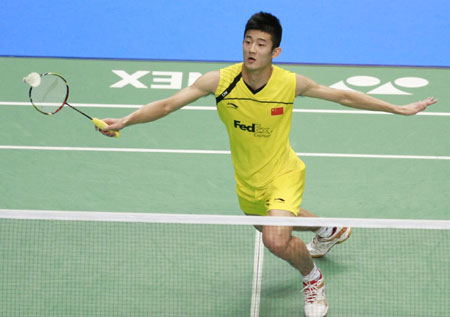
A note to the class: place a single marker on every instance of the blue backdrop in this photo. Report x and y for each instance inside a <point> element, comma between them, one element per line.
<point>378,32</point>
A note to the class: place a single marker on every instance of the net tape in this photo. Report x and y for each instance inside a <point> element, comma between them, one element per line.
<point>222,219</point>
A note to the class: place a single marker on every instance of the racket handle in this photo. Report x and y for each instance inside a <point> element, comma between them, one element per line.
<point>102,124</point>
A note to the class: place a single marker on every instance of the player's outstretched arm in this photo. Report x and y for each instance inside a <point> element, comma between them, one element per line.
<point>204,85</point>
<point>307,87</point>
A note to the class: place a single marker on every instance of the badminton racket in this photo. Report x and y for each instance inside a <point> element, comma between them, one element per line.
<point>49,93</point>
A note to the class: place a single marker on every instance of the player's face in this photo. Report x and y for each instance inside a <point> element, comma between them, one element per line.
<point>258,52</point>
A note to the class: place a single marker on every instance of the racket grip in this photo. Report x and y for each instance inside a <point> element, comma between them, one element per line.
<point>102,124</point>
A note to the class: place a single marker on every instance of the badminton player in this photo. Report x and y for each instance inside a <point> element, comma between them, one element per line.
<point>255,101</point>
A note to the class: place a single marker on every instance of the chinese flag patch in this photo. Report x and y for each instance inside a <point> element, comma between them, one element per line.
<point>277,111</point>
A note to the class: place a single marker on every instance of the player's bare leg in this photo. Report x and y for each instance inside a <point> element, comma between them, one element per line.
<point>302,213</point>
<point>306,213</point>
<point>280,241</point>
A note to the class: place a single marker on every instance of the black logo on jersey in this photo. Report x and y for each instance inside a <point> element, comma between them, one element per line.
<point>232,105</point>
<point>255,128</point>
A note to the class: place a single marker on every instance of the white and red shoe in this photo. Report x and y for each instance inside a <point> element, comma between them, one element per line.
<point>319,246</point>
<point>315,300</point>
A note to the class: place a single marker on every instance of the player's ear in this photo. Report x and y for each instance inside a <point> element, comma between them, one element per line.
<point>276,52</point>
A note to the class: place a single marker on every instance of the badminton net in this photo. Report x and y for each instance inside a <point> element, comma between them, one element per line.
<point>60,263</point>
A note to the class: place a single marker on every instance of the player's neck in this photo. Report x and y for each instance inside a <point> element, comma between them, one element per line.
<point>256,78</point>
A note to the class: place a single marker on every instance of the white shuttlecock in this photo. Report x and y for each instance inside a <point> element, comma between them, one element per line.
<point>33,79</point>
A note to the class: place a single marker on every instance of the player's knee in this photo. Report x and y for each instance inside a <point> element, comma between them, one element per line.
<point>277,244</point>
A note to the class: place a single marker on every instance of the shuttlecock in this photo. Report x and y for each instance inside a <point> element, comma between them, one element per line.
<point>33,79</point>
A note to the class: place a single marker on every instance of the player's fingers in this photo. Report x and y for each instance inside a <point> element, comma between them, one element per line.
<point>108,133</point>
<point>431,100</point>
<point>110,128</point>
<point>109,122</point>
<point>113,125</point>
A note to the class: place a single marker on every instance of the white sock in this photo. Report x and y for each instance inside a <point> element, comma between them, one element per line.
<point>325,232</point>
<point>313,275</point>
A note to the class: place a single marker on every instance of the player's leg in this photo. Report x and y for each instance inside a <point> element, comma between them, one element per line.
<point>280,241</point>
<point>306,213</point>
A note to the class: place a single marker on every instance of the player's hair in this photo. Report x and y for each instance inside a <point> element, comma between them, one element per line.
<point>268,23</point>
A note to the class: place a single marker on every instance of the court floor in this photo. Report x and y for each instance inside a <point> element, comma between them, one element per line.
<point>359,165</point>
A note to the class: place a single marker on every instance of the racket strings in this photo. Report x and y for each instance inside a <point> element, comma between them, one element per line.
<point>49,97</point>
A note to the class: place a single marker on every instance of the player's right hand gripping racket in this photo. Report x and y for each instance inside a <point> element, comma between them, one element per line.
<point>49,93</point>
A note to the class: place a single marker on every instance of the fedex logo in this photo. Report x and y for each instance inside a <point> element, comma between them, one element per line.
<point>256,129</point>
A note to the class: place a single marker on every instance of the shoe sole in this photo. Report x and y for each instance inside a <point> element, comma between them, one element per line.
<point>342,241</point>
<point>326,313</point>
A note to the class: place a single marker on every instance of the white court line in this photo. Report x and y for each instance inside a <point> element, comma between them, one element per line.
<point>222,152</point>
<point>93,149</point>
<point>211,108</point>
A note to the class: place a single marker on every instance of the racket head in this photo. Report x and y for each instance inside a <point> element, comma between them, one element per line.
<point>50,95</point>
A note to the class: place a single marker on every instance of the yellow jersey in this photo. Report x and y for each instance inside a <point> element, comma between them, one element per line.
<point>258,124</point>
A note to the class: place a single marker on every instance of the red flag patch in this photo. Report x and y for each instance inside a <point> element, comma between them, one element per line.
<point>277,111</point>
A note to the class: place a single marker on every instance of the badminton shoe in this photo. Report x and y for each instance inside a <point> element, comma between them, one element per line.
<point>315,301</point>
<point>319,246</point>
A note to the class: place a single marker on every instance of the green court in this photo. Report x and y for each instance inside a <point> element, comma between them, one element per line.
<point>359,165</point>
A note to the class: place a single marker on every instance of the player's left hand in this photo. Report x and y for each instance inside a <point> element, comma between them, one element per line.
<point>418,106</point>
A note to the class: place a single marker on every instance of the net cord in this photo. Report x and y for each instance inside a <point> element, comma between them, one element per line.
<point>221,219</point>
